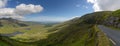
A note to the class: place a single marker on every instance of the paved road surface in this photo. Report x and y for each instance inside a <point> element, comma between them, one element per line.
<point>114,35</point>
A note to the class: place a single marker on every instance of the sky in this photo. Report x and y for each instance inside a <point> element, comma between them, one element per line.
<point>53,10</point>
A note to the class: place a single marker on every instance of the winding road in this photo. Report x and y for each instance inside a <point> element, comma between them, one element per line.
<point>113,35</point>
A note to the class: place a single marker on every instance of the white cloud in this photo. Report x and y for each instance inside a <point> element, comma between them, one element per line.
<point>9,13</point>
<point>3,3</point>
<point>19,11</point>
<point>105,5</point>
<point>24,9</point>
<point>6,11</point>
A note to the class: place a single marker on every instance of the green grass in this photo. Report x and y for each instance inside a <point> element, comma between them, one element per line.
<point>77,32</point>
<point>17,43</point>
<point>32,35</point>
<point>3,44</point>
<point>81,42</point>
<point>102,38</point>
<point>71,35</point>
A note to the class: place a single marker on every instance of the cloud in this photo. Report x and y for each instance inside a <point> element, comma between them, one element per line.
<point>105,5</point>
<point>24,9</point>
<point>9,13</point>
<point>3,3</point>
<point>20,11</point>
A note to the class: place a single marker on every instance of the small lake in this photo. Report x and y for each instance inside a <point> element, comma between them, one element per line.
<point>12,34</point>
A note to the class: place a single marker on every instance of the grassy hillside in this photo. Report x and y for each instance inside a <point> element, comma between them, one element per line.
<point>76,32</point>
<point>81,31</point>
<point>31,32</point>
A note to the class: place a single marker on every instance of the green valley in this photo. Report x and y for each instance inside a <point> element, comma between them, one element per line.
<point>80,31</point>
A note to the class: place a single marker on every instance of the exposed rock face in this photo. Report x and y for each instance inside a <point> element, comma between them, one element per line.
<point>112,21</point>
<point>118,25</point>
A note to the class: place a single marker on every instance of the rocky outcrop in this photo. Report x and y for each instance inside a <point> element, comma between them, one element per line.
<point>112,21</point>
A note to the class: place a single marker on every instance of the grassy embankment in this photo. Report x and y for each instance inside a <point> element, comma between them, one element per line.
<point>102,38</point>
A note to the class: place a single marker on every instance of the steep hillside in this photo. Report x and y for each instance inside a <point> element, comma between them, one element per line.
<point>11,22</point>
<point>10,32</point>
<point>113,20</point>
<point>76,32</point>
<point>8,25</point>
<point>81,31</point>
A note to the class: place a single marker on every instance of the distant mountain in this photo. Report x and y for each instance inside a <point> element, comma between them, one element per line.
<point>47,24</point>
<point>80,31</point>
<point>11,22</point>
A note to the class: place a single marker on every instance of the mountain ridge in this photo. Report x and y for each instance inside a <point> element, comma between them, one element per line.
<point>78,31</point>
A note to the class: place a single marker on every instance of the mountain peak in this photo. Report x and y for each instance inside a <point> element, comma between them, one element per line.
<point>11,21</point>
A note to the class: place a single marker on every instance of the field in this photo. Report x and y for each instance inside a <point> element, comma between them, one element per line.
<point>30,33</point>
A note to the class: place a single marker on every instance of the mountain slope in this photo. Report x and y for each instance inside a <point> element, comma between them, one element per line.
<point>76,32</point>
<point>29,32</point>
<point>79,31</point>
<point>8,25</point>
<point>11,22</point>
